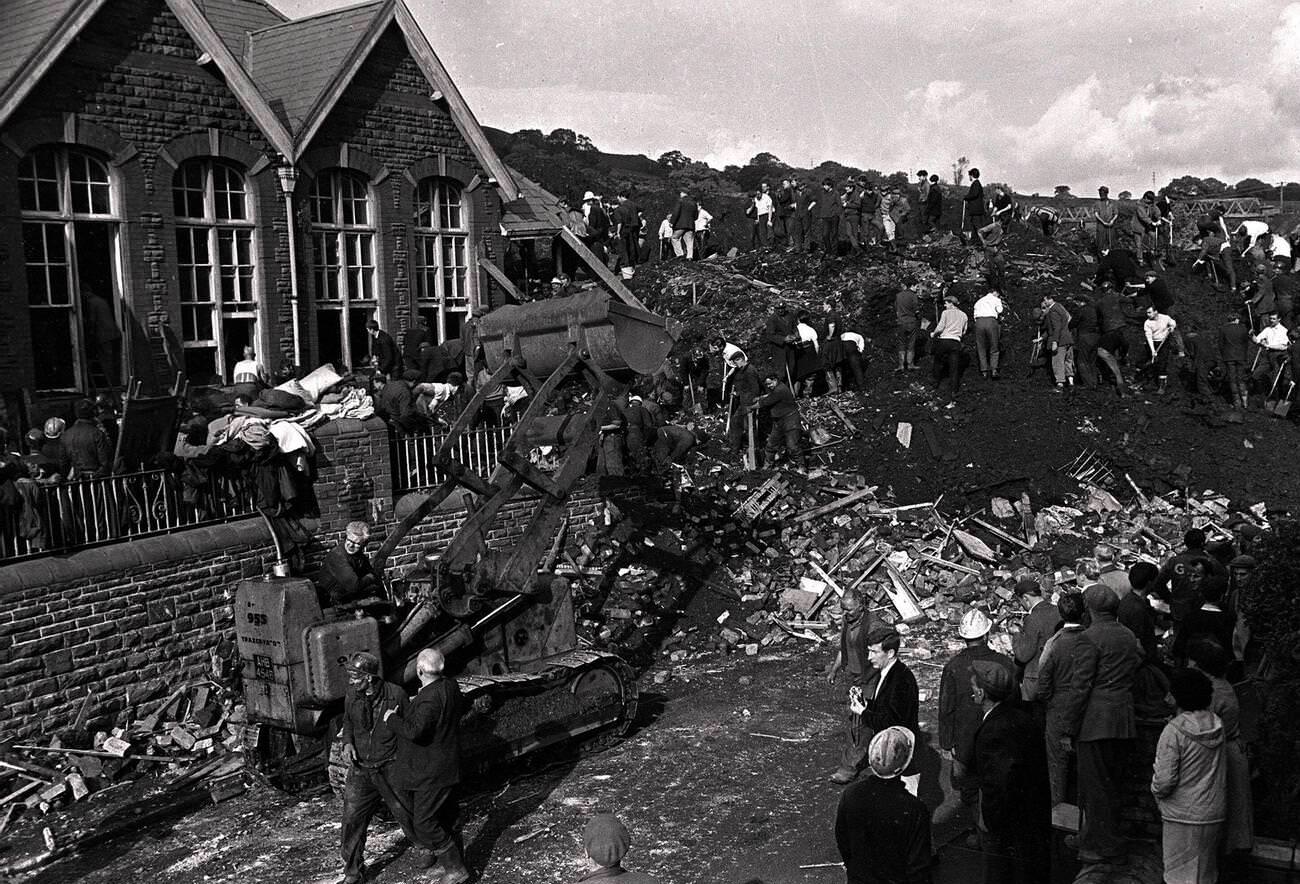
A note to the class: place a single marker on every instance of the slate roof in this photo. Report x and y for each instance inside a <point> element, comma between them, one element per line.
<point>535,213</point>
<point>28,26</point>
<point>234,20</point>
<point>294,62</point>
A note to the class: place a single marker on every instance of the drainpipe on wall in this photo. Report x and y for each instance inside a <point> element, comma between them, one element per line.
<point>288,176</point>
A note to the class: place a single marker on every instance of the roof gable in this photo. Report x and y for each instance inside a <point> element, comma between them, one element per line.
<point>34,36</point>
<point>397,12</point>
<point>295,62</point>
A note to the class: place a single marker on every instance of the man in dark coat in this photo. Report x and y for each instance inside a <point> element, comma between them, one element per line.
<point>781,334</point>
<point>683,222</point>
<point>1056,688</point>
<point>853,658</point>
<point>383,349</point>
<point>829,211</point>
<point>976,217</point>
<point>416,335</point>
<point>369,747</point>
<point>883,831</point>
<point>427,769</point>
<point>395,402</point>
<point>1009,763</point>
<point>1099,722</point>
<point>1135,610</point>
<point>1175,584</point>
<point>627,227</point>
<point>346,574</point>
<point>894,699</point>
<point>959,715</point>
<point>88,447</point>
<point>1039,625</point>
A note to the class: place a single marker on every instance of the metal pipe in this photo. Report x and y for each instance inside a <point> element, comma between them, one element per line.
<point>288,176</point>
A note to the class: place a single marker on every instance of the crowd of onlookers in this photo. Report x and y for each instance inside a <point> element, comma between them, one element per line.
<point>1097,659</point>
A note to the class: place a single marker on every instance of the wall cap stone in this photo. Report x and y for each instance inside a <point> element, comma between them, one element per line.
<point>125,556</point>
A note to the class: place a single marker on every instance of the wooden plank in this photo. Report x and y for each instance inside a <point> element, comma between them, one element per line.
<point>901,596</point>
<point>1027,517</point>
<point>852,551</point>
<point>998,532</point>
<point>848,424</point>
<point>953,566</point>
<point>975,547</point>
<point>499,277</point>
<point>598,267</point>
<point>859,495</point>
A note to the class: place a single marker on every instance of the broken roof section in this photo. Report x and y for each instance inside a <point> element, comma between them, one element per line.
<point>536,213</point>
<point>288,74</point>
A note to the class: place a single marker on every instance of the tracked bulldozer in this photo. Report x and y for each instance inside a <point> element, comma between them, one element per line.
<point>506,627</point>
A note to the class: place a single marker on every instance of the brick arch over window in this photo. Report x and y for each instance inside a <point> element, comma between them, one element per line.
<point>210,143</point>
<point>340,157</point>
<point>22,138</point>
<point>441,166</point>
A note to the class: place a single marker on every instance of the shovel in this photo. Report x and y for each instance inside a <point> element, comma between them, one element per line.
<point>1283,408</point>
<point>1270,403</point>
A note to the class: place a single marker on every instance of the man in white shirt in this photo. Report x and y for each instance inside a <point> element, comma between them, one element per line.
<point>1274,344</point>
<point>249,371</point>
<point>1250,232</point>
<point>703,230</point>
<point>763,211</point>
<point>1157,329</point>
<point>988,332</point>
<point>666,237</point>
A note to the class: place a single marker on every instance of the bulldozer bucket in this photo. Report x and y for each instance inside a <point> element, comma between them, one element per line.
<point>616,335</point>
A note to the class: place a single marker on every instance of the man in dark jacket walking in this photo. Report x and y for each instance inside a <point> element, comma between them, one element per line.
<point>1099,722</point>
<point>1059,340</point>
<point>427,769</point>
<point>683,221</point>
<point>894,700</point>
<point>1011,768</point>
<point>369,747</point>
<point>882,831</point>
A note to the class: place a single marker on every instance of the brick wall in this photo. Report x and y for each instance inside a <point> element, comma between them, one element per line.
<point>144,615</point>
<point>129,88</point>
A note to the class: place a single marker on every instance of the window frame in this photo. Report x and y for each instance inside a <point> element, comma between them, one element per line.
<point>66,216</point>
<point>216,221</point>
<point>429,200</point>
<point>353,247</point>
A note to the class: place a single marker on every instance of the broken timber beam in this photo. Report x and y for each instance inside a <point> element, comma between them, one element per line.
<point>901,597</point>
<point>598,267</point>
<point>848,424</point>
<point>944,563</point>
<point>999,533</point>
<point>499,277</point>
<point>856,496</point>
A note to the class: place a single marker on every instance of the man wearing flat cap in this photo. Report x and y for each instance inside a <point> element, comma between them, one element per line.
<point>346,575</point>
<point>959,716</point>
<point>1099,722</point>
<point>883,831</point>
<point>1010,765</point>
<point>606,841</point>
<point>369,747</point>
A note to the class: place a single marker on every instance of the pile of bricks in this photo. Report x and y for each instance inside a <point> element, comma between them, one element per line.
<point>192,737</point>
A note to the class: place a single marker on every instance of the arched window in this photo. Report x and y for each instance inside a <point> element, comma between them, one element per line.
<point>72,253</point>
<point>441,255</point>
<point>215,261</point>
<point>343,264</point>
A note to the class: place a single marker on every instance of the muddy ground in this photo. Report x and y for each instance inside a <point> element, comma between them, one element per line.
<point>725,780</point>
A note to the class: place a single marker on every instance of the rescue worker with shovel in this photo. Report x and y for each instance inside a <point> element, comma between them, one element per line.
<point>1158,328</point>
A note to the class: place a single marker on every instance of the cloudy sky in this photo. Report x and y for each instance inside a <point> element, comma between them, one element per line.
<point>1035,92</point>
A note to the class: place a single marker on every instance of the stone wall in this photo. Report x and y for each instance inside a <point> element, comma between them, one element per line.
<point>124,622</point>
